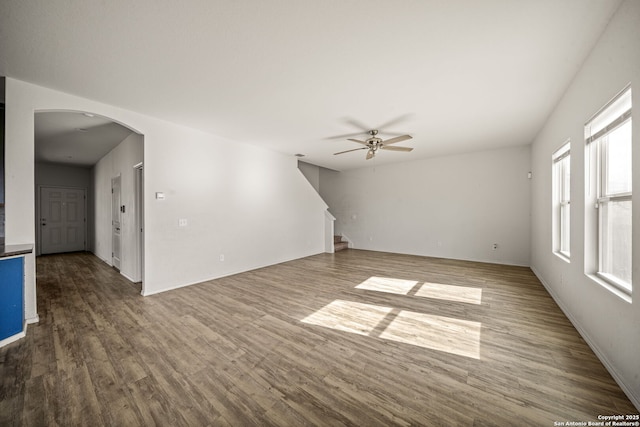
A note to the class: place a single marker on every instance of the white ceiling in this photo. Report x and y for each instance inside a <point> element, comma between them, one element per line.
<point>290,74</point>
<point>74,138</point>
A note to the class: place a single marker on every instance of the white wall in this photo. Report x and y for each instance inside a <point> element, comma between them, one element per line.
<point>118,162</point>
<point>248,203</point>
<point>252,206</point>
<point>609,324</point>
<point>55,175</point>
<point>449,207</point>
<point>312,173</point>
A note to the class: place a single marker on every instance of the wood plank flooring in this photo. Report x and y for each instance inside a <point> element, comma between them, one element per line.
<point>353,338</point>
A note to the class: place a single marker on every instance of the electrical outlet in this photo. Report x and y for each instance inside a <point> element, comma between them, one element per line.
<point>495,246</point>
<point>182,222</point>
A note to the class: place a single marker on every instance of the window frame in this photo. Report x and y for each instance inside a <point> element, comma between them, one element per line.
<point>597,191</point>
<point>561,163</point>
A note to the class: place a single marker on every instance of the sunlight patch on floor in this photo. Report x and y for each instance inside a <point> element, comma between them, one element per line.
<point>450,293</point>
<point>388,285</point>
<point>440,291</point>
<point>455,336</point>
<point>349,316</point>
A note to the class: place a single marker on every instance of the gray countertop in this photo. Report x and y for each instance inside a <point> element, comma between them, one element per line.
<point>13,250</point>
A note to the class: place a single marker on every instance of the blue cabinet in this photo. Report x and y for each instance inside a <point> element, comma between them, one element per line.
<point>11,296</point>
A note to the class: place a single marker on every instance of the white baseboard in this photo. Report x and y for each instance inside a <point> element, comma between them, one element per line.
<point>227,274</point>
<point>15,337</point>
<point>131,279</point>
<point>585,335</point>
<point>12,338</point>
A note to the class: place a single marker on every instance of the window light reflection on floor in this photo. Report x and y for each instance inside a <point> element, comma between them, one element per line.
<point>388,285</point>
<point>349,316</point>
<point>453,293</point>
<point>440,291</point>
<point>455,336</point>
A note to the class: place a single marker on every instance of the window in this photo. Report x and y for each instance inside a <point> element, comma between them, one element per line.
<point>608,138</point>
<point>561,201</point>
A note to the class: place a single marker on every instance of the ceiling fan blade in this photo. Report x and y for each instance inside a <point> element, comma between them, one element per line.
<point>395,121</point>
<point>344,136</point>
<point>384,147</point>
<point>357,124</point>
<point>348,151</point>
<point>396,139</point>
<point>370,154</point>
<point>357,140</point>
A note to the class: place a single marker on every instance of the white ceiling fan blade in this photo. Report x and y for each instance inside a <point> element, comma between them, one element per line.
<point>357,140</point>
<point>346,135</point>
<point>394,121</point>
<point>348,151</point>
<point>355,123</point>
<point>397,139</point>
<point>384,147</point>
<point>370,154</point>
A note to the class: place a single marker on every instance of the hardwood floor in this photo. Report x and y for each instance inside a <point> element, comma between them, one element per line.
<point>354,338</point>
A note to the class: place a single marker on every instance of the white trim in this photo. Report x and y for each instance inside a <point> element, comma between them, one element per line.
<point>635,399</point>
<point>329,230</point>
<point>561,199</point>
<point>612,284</point>
<point>612,101</point>
<point>127,277</point>
<point>563,256</point>
<point>562,152</point>
<point>13,338</point>
<point>138,179</point>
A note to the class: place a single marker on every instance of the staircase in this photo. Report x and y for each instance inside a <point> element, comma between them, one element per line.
<point>338,244</point>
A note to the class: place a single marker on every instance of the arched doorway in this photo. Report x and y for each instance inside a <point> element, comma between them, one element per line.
<point>80,154</point>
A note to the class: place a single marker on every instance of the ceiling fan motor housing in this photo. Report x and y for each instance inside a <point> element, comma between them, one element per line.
<point>373,143</point>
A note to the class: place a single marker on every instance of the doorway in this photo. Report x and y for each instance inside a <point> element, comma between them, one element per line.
<point>83,149</point>
<point>62,220</point>
<point>139,225</point>
<point>116,221</point>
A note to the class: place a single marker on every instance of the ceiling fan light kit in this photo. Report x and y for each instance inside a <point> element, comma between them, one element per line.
<point>373,144</point>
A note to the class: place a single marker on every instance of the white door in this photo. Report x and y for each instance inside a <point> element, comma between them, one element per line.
<point>116,218</point>
<point>62,220</point>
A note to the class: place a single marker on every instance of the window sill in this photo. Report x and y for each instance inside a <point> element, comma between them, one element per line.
<point>612,285</point>
<point>563,256</point>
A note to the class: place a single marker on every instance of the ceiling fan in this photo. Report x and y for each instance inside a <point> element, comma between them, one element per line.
<point>373,144</point>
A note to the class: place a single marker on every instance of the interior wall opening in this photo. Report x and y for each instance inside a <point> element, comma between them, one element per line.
<point>77,155</point>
